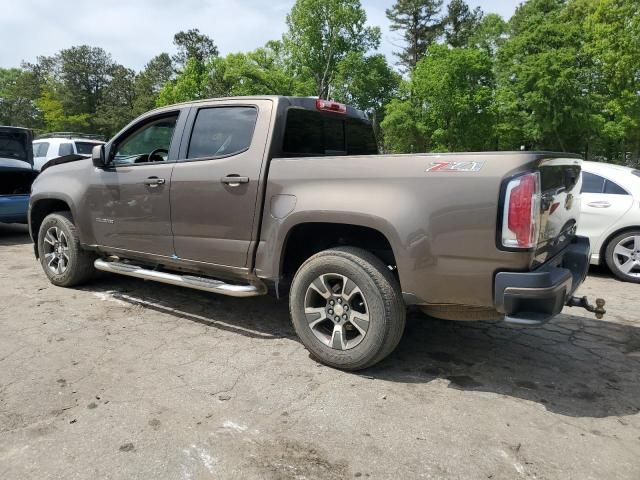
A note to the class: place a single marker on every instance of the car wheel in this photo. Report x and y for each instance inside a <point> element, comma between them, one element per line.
<point>347,308</point>
<point>62,258</point>
<point>623,256</point>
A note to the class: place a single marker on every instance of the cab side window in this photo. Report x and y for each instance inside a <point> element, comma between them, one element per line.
<point>147,144</point>
<point>222,131</point>
<point>592,183</point>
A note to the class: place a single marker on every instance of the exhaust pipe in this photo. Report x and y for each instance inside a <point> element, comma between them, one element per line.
<point>197,283</point>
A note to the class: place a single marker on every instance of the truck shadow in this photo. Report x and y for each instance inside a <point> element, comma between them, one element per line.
<point>260,317</point>
<point>574,366</point>
<point>14,234</point>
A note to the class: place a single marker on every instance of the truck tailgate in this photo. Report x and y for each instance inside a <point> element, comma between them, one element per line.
<point>560,185</point>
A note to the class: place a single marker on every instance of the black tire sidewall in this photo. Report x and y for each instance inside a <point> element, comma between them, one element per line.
<point>609,256</point>
<point>375,339</point>
<point>57,220</point>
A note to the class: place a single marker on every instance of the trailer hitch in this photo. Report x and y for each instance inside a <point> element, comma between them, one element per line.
<point>583,302</point>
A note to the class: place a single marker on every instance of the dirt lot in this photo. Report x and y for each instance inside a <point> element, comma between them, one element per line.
<point>129,379</point>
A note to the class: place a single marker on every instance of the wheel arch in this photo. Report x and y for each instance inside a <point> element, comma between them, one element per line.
<point>38,211</point>
<point>304,239</point>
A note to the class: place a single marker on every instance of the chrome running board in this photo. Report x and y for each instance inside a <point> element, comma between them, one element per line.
<point>198,283</point>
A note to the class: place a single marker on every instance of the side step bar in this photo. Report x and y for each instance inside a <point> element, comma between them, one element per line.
<point>198,283</point>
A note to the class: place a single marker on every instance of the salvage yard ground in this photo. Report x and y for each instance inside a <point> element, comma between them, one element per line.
<point>130,379</point>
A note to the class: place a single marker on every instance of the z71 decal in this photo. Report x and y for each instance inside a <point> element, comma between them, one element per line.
<point>455,167</point>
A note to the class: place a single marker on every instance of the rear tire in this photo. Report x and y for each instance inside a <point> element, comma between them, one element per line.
<point>623,256</point>
<point>63,260</point>
<point>347,308</point>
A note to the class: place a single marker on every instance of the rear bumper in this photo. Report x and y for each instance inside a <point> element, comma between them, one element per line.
<point>13,208</point>
<point>533,298</point>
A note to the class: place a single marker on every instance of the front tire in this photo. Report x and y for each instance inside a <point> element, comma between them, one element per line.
<point>623,256</point>
<point>62,258</point>
<point>347,308</point>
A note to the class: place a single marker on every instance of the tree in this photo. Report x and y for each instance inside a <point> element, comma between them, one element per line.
<point>84,72</point>
<point>321,33</point>
<point>55,117</point>
<point>420,25</point>
<point>490,34</point>
<point>17,106</point>
<point>116,107</point>
<point>193,45</point>
<point>265,71</point>
<point>614,42</point>
<point>546,93</point>
<point>190,84</point>
<point>150,81</point>
<point>451,105</point>
<point>461,23</point>
<point>368,83</point>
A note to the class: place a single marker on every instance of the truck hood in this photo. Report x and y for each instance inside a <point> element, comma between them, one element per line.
<point>16,149</point>
<point>64,159</point>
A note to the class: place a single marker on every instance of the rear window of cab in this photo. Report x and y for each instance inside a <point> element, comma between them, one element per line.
<point>309,133</point>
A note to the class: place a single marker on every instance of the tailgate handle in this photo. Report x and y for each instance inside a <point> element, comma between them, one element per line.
<point>234,180</point>
<point>600,204</point>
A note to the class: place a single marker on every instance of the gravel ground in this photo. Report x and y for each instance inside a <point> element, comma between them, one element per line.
<point>130,379</point>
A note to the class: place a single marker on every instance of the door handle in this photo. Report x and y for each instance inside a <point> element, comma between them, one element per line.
<point>154,182</point>
<point>600,204</point>
<point>234,180</point>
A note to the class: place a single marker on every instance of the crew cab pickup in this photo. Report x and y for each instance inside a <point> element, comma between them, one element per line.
<point>244,196</point>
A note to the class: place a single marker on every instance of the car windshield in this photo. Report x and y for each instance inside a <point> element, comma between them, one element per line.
<point>12,145</point>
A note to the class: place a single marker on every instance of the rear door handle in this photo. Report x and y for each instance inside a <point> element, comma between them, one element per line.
<point>600,204</point>
<point>234,180</point>
<point>154,182</point>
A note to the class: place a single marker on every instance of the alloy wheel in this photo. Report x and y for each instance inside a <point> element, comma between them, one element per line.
<point>626,256</point>
<point>56,250</point>
<point>337,312</point>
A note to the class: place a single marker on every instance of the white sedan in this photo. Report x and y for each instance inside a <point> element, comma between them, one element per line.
<point>611,217</point>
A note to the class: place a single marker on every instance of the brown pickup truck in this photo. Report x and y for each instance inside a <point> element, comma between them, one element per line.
<point>241,196</point>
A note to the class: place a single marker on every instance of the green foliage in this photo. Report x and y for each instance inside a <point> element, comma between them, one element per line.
<point>420,25</point>
<point>461,23</point>
<point>193,45</point>
<point>321,33</point>
<point>367,83</point>
<point>490,34</point>
<point>53,113</point>
<point>614,29</point>
<point>265,71</point>
<point>16,98</point>
<point>190,84</point>
<point>545,73</point>
<point>561,75</point>
<point>150,81</point>
<point>451,104</point>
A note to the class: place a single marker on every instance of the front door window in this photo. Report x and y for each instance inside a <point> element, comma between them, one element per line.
<point>148,144</point>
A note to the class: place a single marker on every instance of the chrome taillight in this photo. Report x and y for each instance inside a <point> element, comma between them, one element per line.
<point>521,216</point>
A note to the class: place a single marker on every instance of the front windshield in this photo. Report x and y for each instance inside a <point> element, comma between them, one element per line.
<point>12,145</point>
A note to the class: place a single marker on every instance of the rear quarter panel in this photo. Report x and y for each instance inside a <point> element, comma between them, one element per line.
<point>441,224</point>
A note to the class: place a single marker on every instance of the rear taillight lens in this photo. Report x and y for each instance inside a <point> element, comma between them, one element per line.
<point>521,212</point>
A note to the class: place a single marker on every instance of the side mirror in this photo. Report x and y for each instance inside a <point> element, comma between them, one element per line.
<point>97,156</point>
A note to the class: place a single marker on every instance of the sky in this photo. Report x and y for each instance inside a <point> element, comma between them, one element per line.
<point>134,31</point>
